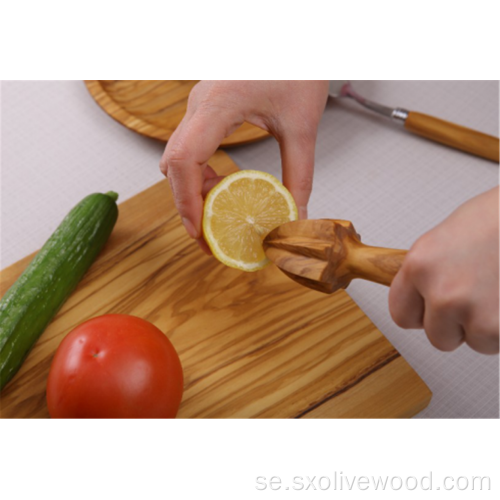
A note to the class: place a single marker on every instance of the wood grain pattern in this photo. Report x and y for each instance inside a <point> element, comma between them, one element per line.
<point>327,254</point>
<point>251,344</point>
<point>155,107</point>
<point>453,135</point>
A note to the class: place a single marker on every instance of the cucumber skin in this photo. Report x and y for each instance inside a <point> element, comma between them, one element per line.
<point>34,299</point>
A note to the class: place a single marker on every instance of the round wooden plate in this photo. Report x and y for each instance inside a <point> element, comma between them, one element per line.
<point>155,107</point>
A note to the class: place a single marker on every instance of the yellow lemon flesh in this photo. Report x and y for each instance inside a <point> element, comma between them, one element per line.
<point>239,213</point>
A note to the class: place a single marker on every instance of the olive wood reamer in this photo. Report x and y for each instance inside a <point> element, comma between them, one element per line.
<point>327,254</point>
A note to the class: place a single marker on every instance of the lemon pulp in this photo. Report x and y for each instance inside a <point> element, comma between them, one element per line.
<point>239,213</point>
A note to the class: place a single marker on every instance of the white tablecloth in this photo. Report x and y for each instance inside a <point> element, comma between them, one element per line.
<point>57,146</point>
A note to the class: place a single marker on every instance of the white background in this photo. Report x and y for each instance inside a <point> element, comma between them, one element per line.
<point>219,39</point>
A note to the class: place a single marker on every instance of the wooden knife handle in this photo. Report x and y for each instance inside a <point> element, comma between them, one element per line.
<point>376,264</point>
<point>453,135</point>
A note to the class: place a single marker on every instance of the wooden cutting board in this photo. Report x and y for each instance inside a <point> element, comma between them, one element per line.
<point>251,344</point>
<point>155,107</point>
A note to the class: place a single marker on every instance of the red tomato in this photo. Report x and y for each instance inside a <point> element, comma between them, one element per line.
<point>115,366</point>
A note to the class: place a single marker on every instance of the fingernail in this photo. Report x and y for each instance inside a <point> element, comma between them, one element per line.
<point>302,212</point>
<point>190,228</point>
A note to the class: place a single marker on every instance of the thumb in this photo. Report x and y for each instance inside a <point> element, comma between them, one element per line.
<point>297,160</point>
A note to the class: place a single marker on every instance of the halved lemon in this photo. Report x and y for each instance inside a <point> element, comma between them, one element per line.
<point>239,213</point>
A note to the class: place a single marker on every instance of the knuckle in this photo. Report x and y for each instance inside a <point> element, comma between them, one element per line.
<point>174,158</point>
<point>164,165</point>
<point>414,262</point>
<point>205,97</point>
<point>482,345</point>
<point>443,340</point>
<point>447,300</point>
<point>395,305</point>
<point>435,341</point>
<point>404,316</point>
<point>195,94</point>
<point>397,316</point>
<point>482,330</point>
<point>417,261</point>
<point>441,343</point>
<point>208,98</point>
<point>173,161</point>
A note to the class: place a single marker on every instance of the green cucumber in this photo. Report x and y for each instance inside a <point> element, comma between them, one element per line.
<point>33,300</point>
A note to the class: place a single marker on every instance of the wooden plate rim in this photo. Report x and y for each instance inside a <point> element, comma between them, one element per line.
<point>136,124</point>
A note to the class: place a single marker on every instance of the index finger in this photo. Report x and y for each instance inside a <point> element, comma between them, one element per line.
<point>406,304</point>
<point>185,159</point>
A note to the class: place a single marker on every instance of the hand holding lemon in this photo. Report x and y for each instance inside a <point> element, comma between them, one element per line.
<point>289,110</point>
